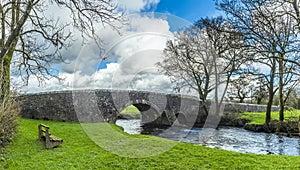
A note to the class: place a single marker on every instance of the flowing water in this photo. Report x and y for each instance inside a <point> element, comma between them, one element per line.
<point>228,138</point>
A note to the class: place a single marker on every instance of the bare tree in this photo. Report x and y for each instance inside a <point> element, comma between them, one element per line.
<point>202,57</point>
<point>187,64</point>
<point>271,38</point>
<point>226,51</point>
<point>260,91</point>
<point>35,39</point>
<point>242,87</point>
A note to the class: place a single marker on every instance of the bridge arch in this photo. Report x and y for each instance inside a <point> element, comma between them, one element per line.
<point>150,112</point>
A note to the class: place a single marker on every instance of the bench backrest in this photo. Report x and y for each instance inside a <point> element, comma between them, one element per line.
<point>43,131</point>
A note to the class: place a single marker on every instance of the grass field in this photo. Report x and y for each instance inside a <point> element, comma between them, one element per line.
<point>131,110</point>
<point>80,152</point>
<point>259,117</point>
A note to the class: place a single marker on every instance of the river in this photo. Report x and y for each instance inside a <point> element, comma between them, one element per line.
<point>227,138</point>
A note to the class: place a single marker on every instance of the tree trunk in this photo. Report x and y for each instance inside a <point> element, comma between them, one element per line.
<point>296,8</point>
<point>5,72</point>
<point>281,97</point>
<point>271,93</point>
<point>216,86</point>
<point>5,76</point>
<point>8,47</point>
<point>205,108</point>
<point>269,108</point>
<point>259,100</point>
<point>241,100</point>
<point>204,103</point>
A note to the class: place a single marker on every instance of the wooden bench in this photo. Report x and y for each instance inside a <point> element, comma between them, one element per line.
<point>51,141</point>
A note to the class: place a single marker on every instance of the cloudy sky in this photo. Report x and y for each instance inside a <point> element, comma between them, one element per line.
<point>131,54</point>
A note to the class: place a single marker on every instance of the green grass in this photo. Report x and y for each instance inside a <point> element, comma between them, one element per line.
<point>259,117</point>
<point>80,152</point>
<point>131,110</point>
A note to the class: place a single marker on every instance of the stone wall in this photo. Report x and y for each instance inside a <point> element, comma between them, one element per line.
<point>105,105</point>
<point>244,107</point>
<point>56,106</point>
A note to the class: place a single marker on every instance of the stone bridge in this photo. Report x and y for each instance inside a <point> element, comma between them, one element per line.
<point>105,106</point>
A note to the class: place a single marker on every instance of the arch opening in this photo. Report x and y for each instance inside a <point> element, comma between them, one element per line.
<point>139,117</point>
<point>130,112</point>
<point>147,113</point>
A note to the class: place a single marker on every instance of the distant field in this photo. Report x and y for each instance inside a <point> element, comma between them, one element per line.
<point>131,110</point>
<point>259,117</point>
<point>79,152</point>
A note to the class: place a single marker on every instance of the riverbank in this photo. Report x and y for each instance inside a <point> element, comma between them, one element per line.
<point>225,137</point>
<point>255,121</point>
<point>79,152</point>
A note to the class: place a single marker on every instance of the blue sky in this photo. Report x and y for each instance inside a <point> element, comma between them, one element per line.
<point>130,68</point>
<point>191,10</point>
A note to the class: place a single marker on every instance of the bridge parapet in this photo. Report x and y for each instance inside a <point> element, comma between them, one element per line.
<point>105,105</point>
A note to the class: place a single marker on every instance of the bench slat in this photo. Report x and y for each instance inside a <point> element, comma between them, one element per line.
<point>54,138</point>
<point>45,126</point>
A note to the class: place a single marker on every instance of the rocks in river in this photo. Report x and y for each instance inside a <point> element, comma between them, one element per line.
<point>232,119</point>
<point>256,127</point>
<point>287,128</point>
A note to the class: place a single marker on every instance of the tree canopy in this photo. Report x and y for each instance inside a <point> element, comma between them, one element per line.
<point>270,30</point>
<point>35,38</point>
<point>203,57</point>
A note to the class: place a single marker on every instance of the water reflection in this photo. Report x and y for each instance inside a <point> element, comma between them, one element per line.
<point>130,126</point>
<point>228,138</point>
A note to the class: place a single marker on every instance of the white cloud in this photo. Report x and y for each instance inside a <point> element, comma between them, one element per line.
<point>133,55</point>
<point>101,79</point>
<point>142,33</point>
<point>137,5</point>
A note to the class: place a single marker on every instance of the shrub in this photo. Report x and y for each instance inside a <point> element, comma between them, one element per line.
<point>9,112</point>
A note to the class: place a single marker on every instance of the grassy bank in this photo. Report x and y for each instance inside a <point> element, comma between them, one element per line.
<point>79,152</point>
<point>131,111</point>
<point>259,117</point>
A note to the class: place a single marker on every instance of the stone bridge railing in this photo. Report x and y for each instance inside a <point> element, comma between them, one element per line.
<point>105,105</point>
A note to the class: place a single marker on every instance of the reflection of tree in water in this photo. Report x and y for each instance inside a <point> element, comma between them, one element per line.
<point>269,144</point>
<point>298,148</point>
<point>274,144</point>
<point>280,145</point>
